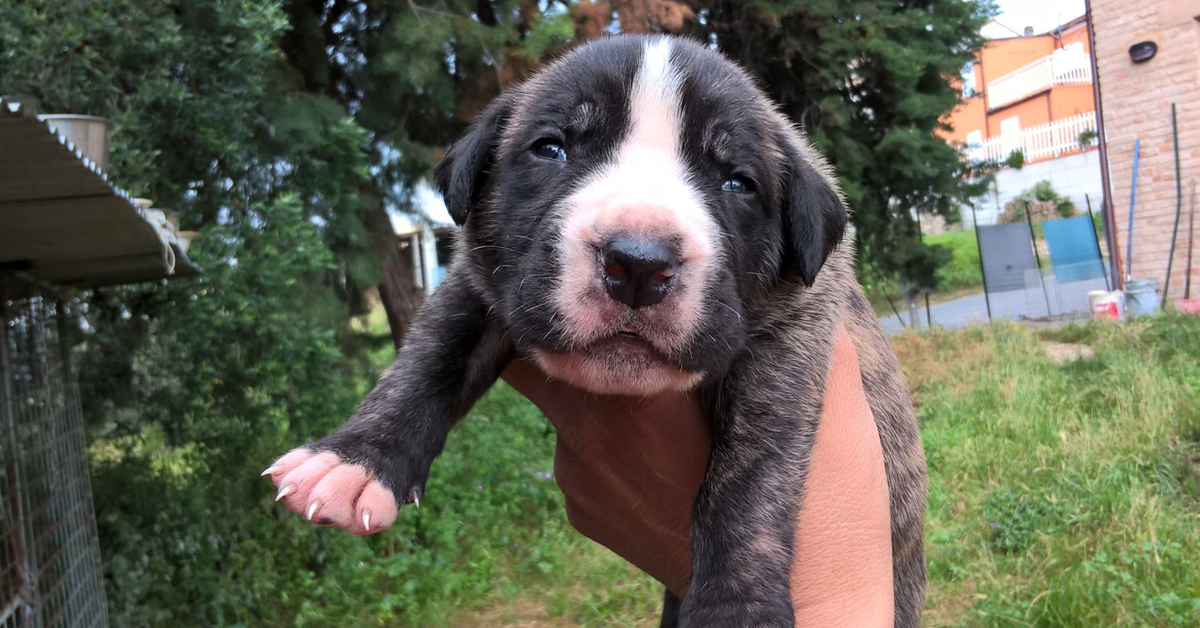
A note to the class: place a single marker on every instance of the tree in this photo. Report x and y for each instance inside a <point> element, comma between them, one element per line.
<point>870,82</point>
<point>412,74</point>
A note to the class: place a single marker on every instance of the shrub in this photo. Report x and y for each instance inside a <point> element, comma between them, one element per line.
<point>1044,204</point>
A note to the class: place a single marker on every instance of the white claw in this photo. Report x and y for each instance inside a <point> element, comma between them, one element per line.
<point>271,470</point>
<point>312,510</point>
<point>284,492</point>
<point>417,501</point>
<point>366,520</point>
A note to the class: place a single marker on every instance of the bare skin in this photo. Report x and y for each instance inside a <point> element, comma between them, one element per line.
<point>630,469</point>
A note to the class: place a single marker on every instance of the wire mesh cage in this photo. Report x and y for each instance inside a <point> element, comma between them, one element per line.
<point>50,571</point>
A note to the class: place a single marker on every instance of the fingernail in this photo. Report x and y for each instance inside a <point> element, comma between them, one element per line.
<point>284,492</point>
<point>312,510</point>
<point>271,470</point>
<point>366,520</point>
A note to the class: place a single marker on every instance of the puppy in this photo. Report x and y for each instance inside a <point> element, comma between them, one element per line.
<point>638,217</point>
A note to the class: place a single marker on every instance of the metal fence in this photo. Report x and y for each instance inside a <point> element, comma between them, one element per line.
<point>50,572</point>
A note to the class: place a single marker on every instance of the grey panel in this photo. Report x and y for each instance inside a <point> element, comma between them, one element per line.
<point>1007,256</point>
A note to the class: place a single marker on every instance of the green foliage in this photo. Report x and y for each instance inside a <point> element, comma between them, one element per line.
<point>870,82</point>
<point>962,271</point>
<point>1086,137</point>
<point>1044,204</point>
<point>1015,159</point>
<point>492,527</point>
<point>180,79</point>
<point>237,365</point>
<point>1044,191</point>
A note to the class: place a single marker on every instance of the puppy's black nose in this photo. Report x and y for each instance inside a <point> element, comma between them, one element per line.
<point>638,272</point>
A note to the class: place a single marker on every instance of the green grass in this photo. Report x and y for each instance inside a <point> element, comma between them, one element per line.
<point>1061,495</point>
<point>962,271</point>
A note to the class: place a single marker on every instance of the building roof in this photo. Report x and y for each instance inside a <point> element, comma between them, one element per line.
<point>1061,28</point>
<point>64,223</point>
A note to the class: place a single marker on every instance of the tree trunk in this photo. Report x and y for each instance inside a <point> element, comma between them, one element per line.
<point>398,287</point>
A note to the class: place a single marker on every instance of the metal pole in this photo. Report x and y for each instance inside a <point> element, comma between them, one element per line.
<point>1092,217</point>
<point>1107,212</point>
<point>1178,202</point>
<point>921,238</point>
<point>889,300</point>
<point>986,299</point>
<point>1137,152</point>
<point>1187,282</point>
<point>1037,256</point>
<point>928,314</point>
<point>894,310</point>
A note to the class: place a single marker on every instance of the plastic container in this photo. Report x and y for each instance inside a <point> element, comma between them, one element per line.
<point>91,135</point>
<point>1142,297</point>
<point>1107,305</point>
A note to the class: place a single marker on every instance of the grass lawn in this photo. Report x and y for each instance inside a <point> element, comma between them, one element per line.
<point>1061,495</point>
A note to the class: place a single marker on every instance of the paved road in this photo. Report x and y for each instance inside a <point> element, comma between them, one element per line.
<point>1011,305</point>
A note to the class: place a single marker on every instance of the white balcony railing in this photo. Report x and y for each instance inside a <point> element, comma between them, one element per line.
<point>1066,66</point>
<point>1038,142</point>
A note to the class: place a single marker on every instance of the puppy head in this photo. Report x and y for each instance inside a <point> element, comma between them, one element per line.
<point>626,205</point>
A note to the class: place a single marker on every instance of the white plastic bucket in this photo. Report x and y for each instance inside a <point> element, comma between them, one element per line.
<point>90,134</point>
<point>1107,305</point>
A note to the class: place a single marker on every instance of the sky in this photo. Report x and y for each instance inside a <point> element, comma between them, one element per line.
<point>1042,15</point>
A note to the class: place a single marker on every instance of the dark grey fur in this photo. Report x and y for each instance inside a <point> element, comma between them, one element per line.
<point>766,350</point>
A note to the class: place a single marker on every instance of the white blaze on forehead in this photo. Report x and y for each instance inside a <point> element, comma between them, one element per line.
<point>645,190</point>
<point>647,187</point>
<point>654,107</point>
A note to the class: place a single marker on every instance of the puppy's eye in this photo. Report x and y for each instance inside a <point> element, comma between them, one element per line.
<point>738,185</point>
<point>551,149</point>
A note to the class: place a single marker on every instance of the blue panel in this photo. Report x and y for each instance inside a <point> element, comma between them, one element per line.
<point>1073,249</point>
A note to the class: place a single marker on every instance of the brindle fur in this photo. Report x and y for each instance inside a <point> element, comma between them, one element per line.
<point>763,400</point>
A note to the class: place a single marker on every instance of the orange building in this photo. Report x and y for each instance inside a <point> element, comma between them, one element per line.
<point>1030,93</point>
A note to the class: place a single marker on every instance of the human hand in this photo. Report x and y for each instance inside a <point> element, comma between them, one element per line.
<point>630,469</point>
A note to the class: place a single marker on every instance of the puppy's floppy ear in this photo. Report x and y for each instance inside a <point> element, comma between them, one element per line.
<point>814,218</point>
<point>462,172</point>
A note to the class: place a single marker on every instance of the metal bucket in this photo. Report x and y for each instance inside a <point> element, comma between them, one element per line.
<point>1141,297</point>
<point>91,135</point>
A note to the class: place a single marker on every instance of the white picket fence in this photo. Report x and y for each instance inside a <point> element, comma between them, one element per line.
<point>1064,67</point>
<point>1038,142</point>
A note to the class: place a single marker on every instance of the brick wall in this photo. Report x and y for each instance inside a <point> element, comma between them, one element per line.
<point>1137,104</point>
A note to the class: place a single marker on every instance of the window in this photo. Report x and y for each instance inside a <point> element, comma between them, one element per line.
<point>1010,135</point>
<point>968,80</point>
<point>975,146</point>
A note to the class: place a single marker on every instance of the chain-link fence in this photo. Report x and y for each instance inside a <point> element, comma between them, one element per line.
<point>50,572</point>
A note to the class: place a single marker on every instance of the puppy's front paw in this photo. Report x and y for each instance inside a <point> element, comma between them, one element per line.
<point>328,491</point>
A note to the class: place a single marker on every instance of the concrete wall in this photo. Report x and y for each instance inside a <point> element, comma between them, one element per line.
<point>1137,104</point>
<point>1072,175</point>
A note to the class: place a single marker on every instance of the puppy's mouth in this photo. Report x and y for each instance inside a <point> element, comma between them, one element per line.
<point>619,362</point>
<point>626,345</point>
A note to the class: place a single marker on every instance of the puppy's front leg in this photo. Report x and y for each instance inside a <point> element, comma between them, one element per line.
<point>357,477</point>
<point>743,523</point>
